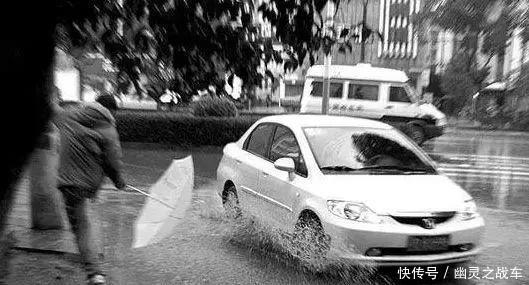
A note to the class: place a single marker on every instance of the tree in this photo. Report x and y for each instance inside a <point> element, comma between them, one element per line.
<point>300,27</point>
<point>198,40</point>
<point>459,83</point>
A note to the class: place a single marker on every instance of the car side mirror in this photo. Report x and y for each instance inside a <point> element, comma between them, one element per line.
<point>285,164</point>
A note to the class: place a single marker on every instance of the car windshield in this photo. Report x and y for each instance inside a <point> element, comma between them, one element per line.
<point>348,150</point>
<point>411,93</point>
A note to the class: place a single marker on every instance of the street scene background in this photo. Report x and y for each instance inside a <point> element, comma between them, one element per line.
<point>191,76</point>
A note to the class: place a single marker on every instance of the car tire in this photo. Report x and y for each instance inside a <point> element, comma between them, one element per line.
<point>416,133</point>
<point>310,242</point>
<point>230,202</point>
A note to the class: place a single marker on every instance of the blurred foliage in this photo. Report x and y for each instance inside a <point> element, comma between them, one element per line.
<point>493,20</point>
<point>459,83</point>
<point>520,118</point>
<point>300,27</point>
<point>174,128</point>
<point>521,86</point>
<point>214,106</point>
<point>458,16</point>
<point>199,41</point>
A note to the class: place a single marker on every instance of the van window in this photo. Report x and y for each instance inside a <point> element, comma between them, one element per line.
<point>398,94</point>
<point>363,92</point>
<point>317,89</point>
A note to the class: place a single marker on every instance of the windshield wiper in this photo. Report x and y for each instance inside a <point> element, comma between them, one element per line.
<point>338,168</point>
<point>404,169</point>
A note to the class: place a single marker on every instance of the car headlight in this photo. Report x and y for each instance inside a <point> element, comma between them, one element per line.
<point>470,210</point>
<point>441,122</point>
<point>353,211</point>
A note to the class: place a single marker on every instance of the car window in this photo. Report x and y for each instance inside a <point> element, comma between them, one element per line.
<point>259,140</point>
<point>336,89</point>
<point>398,94</point>
<point>285,144</point>
<point>363,92</point>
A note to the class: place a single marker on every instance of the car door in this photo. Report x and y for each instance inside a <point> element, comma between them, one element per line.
<point>280,188</point>
<point>250,164</point>
<point>363,100</point>
<point>399,106</point>
<point>335,95</point>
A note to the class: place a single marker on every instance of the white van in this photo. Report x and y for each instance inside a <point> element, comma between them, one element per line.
<point>376,93</point>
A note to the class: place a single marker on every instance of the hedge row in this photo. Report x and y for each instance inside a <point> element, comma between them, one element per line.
<point>178,129</point>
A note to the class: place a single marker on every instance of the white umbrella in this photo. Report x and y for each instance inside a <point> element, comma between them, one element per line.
<point>169,199</point>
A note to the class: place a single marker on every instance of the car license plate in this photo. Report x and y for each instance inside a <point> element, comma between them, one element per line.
<point>428,243</point>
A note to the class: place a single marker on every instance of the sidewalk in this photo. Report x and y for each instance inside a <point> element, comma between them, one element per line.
<point>263,110</point>
<point>51,256</point>
<point>44,241</point>
<point>44,256</point>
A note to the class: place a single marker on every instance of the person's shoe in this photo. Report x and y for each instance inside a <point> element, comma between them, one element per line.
<point>97,279</point>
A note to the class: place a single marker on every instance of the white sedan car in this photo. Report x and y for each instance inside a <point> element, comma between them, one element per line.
<point>356,187</point>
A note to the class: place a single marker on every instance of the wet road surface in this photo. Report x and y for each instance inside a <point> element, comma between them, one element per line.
<point>208,249</point>
<point>492,167</point>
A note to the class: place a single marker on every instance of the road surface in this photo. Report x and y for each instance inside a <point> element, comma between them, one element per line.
<point>207,249</point>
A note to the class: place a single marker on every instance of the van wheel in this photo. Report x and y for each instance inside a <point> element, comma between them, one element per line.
<point>310,242</point>
<point>416,133</point>
<point>230,202</point>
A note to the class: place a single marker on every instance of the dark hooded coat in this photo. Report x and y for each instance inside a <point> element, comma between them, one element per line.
<point>90,148</point>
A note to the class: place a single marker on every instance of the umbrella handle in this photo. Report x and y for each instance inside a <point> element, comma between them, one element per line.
<point>150,196</point>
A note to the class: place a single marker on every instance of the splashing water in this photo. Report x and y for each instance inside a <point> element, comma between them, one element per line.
<point>285,249</point>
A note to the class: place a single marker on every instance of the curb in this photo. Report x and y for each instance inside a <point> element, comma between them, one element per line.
<point>456,129</point>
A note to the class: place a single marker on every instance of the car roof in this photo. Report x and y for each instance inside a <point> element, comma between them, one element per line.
<point>359,72</point>
<point>312,120</point>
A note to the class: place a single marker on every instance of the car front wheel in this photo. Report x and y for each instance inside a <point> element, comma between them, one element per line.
<point>310,242</point>
<point>230,201</point>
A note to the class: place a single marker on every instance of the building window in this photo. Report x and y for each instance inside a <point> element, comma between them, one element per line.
<point>396,26</point>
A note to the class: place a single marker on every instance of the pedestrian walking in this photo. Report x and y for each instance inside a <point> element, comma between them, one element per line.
<point>268,100</point>
<point>90,150</point>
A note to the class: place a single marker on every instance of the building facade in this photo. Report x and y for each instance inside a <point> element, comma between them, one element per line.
<point>397,47</point>
<point>504,67</point>
<point>397,44</point>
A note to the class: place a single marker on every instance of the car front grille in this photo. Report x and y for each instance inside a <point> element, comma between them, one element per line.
<point>404,251</point>
<point>437,218</point>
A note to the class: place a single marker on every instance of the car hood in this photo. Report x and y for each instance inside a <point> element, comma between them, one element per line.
<point>430,109</point>
<point>396,194</point>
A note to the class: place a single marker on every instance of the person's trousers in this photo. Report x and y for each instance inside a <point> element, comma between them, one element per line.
<point>77,212</point>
